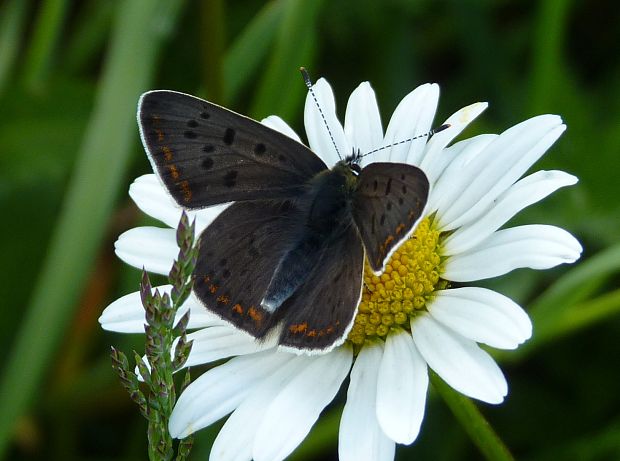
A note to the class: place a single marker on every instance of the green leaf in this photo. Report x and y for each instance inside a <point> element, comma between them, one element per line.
<point>564,307</point>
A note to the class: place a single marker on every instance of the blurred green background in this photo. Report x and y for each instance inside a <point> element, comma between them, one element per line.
<point>70,76</point>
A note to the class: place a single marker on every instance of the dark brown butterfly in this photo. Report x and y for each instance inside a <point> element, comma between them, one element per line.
<point>287,258</point>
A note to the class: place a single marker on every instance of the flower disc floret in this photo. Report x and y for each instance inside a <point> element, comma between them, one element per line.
<point>410,278</point>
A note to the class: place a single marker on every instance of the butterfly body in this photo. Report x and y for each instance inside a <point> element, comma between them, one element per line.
<point>287,257</point>
<point>326,216</point>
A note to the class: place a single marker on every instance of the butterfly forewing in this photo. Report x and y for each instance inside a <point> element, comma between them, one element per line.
<point>205,154</point>
<point>320,313</point>
<point>388,202</point>
<point>237,256</point>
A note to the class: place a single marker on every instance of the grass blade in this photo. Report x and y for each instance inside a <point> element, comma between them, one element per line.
<point>47,30</point>
<point>94,186</point>
<point>294,47</point>
<point>13,16</point>
<point>249,50</point>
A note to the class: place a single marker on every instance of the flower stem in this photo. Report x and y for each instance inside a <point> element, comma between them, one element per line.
<point>474,423</point>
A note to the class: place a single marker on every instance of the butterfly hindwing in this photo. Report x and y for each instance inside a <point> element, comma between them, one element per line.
<point>319,314</point>
<point>238,254</point>
<point>388,202</point>
<point>206,154</point>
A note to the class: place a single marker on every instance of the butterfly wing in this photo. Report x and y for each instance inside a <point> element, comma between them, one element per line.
<point>388,202</point>
<point>319,315</point>
<point>205,154</point>
<point>238,254</point>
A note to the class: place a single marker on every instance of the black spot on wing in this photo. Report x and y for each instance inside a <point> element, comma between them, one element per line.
<point>229,136</point>
<point>259,149</point>
<point>230,178</point>
<point>192,123</point>
<point>207,163</point>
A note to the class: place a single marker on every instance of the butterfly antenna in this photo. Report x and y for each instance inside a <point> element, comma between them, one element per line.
<point>309,84</point>
<point>429,134</point>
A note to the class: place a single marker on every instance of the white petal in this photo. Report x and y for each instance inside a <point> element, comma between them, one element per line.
<point>150,247</point>
<point>449,185</point>
<point>535,246</point>
<point>220,342</point>
<point>482,315</point>
<point>401,389</point>
<point>200,317</point>
<point>435,158</point>
<point>496,168</point>
<point>412,117</point>
<point>295,409</point>
<point>362,122</point>
<point>458,361</point>
<point>236,439</point>
<point>126,314</point>
<point>220,390</point>
<point>523,193</point>
<point>149,194</point>
<point>206,216</point>
<point>360,437</point>
<point>276,123</point>
<point>152,198</point>
<point>317,123</point>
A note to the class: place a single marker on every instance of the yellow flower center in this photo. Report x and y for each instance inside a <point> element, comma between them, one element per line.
<point>410,278</point>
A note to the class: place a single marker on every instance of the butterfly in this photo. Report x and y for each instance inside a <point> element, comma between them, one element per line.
<point>286,258</point>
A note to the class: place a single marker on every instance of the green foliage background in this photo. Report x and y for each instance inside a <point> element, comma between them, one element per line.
<point>70,76</point>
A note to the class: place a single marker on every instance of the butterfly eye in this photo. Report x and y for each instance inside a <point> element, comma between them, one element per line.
<point>356,169</point>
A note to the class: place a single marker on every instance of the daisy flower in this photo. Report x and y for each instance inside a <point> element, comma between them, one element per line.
<point>417,314</point>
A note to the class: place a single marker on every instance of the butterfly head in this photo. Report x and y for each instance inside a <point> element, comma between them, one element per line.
<point>353,161</point>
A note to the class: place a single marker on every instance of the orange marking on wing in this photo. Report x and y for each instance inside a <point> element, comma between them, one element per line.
<point>400,228</point>
<point>383,248</point>
<point>213,288</point>
<point>411,215</point>
<point>238,309</point>
<point>311,333</point>
<point>187,192</point>
<point>173,171</point>
<point>298,328</point>
<point>255,315</point>
<point>206,279</point>
<point>160,134</point>
<point>156,119</point>
<point>167,153</point>
<point>223,299</point>
<point>330,330</point>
